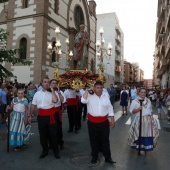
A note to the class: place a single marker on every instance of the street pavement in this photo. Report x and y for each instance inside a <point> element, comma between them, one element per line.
<point>76,153</point>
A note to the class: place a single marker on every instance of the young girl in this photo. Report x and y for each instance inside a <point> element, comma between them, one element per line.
<point>124,100</point>
<point>19,120</point>
<point>159,106</point>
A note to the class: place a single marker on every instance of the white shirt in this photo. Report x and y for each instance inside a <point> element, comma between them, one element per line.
<point>70,93</point>
<point>146,107</point>
<point>58,104</point>
<point>124,91</point>
<point>82,91</point>
<point>43,100</point>
<point>133,92</point>
<point>98,106</point>
<point>19,107</point>
<point>39,88</point>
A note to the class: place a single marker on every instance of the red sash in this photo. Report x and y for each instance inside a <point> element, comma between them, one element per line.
<point>97,119</point>
<point>71,101</point>
<point>48,112</point>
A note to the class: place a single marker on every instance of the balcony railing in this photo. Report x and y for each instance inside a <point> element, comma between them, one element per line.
<point>167,19</point>
<point>117,58</point>
<point>167,51</point>
<point>117,48</point>
<point>118,39</point>
<point>117,30</point>
<point>117,79</point>
<point>163,64</point>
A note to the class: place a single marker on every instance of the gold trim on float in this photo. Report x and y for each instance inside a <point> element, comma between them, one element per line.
<point>77,83</point>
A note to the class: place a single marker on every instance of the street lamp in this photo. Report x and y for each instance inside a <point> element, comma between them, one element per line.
<point>57,47</point>
<point>101,50</point>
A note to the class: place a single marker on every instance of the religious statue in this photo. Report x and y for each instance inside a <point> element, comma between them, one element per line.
<point>81,46</point>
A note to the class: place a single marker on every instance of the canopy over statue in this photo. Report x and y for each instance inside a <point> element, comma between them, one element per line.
<point>81,47</point>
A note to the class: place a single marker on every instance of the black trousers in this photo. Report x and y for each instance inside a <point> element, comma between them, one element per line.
<point>80,108</point>
<point>72,117</point>
<point>46,131</point>
<point>99,137</point>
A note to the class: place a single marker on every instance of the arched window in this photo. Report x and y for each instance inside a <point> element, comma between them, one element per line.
<point>78,16</point>
<point>24,3</point>
<point>23,46</point>
<point>53,54</point>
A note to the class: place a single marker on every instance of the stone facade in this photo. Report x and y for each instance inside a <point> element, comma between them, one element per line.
<point>36,21</point>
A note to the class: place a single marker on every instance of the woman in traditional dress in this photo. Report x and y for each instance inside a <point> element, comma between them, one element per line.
<point>149,127</point>
<point>19,135</point>
<point>124,100</point>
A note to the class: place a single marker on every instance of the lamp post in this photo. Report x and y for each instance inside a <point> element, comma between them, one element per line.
<point>57,47</point>
<point>101,50</point>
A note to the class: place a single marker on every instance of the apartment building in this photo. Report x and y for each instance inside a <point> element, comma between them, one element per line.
<point>161,72</point>
<point>148,83</point>
<point>133,75</point>
<point>114,66</point>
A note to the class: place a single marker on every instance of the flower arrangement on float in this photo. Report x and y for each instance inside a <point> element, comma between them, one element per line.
<point>83,76</point>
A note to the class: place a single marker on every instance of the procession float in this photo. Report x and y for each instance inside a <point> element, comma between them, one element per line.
<point>79,77</point>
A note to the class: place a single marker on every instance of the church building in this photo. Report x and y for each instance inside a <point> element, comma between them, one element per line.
<point>32,23</point>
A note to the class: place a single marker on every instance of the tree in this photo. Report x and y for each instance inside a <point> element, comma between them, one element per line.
<point>9,56</point>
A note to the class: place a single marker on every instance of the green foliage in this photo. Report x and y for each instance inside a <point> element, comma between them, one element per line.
<point>8,55</point>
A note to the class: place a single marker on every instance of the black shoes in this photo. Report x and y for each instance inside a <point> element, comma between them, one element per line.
<point>17,148</point>
<point>62,147</point>
<point>69,131</point>
<point>43,155</point>
<point>76,131</point>
<point>94,161</point>
<point>57,155</point>
<point>110,161</point>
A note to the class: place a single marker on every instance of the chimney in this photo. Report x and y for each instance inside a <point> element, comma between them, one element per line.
<point>92,7</point>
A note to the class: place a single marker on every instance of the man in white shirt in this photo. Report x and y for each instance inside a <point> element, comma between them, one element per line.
<point>99,108</point>
<point>72,105</point>
<point>45,102</point>
<point>61,99</point>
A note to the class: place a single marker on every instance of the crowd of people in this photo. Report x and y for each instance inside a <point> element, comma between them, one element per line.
<point>95,104</point>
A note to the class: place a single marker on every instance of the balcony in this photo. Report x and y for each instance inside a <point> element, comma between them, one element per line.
<point>118,39</point>
<point>159,75</point>
<point>162,47</point>
<point>117,49</point>
<point>167,51</point>
<point>163,64</point>
<point>167,24</point>
<point>118,30</point>
<point>162,26</point>
<point>117,79</point>
<point>117,58</point>
<point>118,69</point>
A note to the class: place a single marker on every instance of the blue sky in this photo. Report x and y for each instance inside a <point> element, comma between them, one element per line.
<point>137,18</point>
